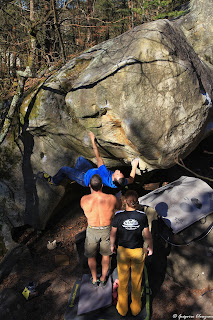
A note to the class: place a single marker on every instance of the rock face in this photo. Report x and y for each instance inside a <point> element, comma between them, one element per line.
<point>146,99</point>
<point>197,27</point>
<point>144,94</point>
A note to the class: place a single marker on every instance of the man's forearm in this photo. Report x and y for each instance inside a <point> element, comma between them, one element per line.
<point>96,151</point>
<point>133,171</point>
<point>148,239</point>
<point>149,243</point>
<point>112,239</point>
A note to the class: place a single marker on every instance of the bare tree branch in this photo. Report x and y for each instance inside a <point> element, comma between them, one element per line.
<point>66,4</point>
<point>58,31</point>
<point>181,164</point>
<point>14,103</point>
<point>208,152</point>
<point>104,22</point>
<point>22,76</point>
<point>16,23</point>
<point>21,7</point>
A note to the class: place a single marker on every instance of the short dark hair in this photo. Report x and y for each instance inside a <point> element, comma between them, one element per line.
<point>96,182</point>
<point>119,182</point>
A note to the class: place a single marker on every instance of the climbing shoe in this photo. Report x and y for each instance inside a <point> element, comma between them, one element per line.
<point>47,177</point>
<point>94,283</point>
<point>102,284</point>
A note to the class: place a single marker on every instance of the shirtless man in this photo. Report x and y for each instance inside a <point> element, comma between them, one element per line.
<point>98,208</point>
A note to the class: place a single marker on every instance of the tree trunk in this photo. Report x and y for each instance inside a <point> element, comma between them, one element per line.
<point>58,32</point>
<point>32,11</point>
<point>131,17</point>
<point>22,77</point>
<point>13,106</point>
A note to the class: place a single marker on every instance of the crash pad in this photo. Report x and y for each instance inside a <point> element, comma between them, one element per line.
<point>181,202</point>
<point>92,298</point>
<point>81,298</point>
<point>108,312</point>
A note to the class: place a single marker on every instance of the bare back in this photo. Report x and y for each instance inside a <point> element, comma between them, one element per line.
<point>99,208</point>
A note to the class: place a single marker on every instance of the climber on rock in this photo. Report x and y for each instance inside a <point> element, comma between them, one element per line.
<point>83,171</point>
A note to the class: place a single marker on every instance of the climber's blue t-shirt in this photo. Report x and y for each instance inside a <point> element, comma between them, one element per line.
<point>104,173</point>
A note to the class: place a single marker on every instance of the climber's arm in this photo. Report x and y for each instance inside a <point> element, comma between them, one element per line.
<point>100,161</point>
<point>133,171</point>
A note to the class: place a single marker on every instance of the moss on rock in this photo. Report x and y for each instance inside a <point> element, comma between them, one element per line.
<point>31,98</point>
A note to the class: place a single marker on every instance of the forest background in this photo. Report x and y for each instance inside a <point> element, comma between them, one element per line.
<point>39,36</point>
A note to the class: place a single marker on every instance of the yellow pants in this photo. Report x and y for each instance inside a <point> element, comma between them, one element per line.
<point>126,259</point>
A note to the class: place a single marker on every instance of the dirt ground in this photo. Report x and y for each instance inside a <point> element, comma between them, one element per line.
<point>55,281</point>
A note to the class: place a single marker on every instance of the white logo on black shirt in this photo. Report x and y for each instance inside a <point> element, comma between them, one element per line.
<point>131,224</point>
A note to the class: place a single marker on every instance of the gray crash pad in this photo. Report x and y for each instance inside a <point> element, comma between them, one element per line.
<point>108,312</point>
<point>182,202</point>
<point>82,301</point>
<point>92,298</point>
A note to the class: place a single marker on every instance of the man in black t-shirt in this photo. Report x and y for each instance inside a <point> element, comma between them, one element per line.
<point>128,225</point>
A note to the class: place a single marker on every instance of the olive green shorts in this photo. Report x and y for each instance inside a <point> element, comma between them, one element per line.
<point>95,238</point>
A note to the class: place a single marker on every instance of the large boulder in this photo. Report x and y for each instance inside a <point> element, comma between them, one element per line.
<point>144,94</point>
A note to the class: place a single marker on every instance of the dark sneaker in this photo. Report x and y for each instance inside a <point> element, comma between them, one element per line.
<point>48,178</point>
<point>94,283</point>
